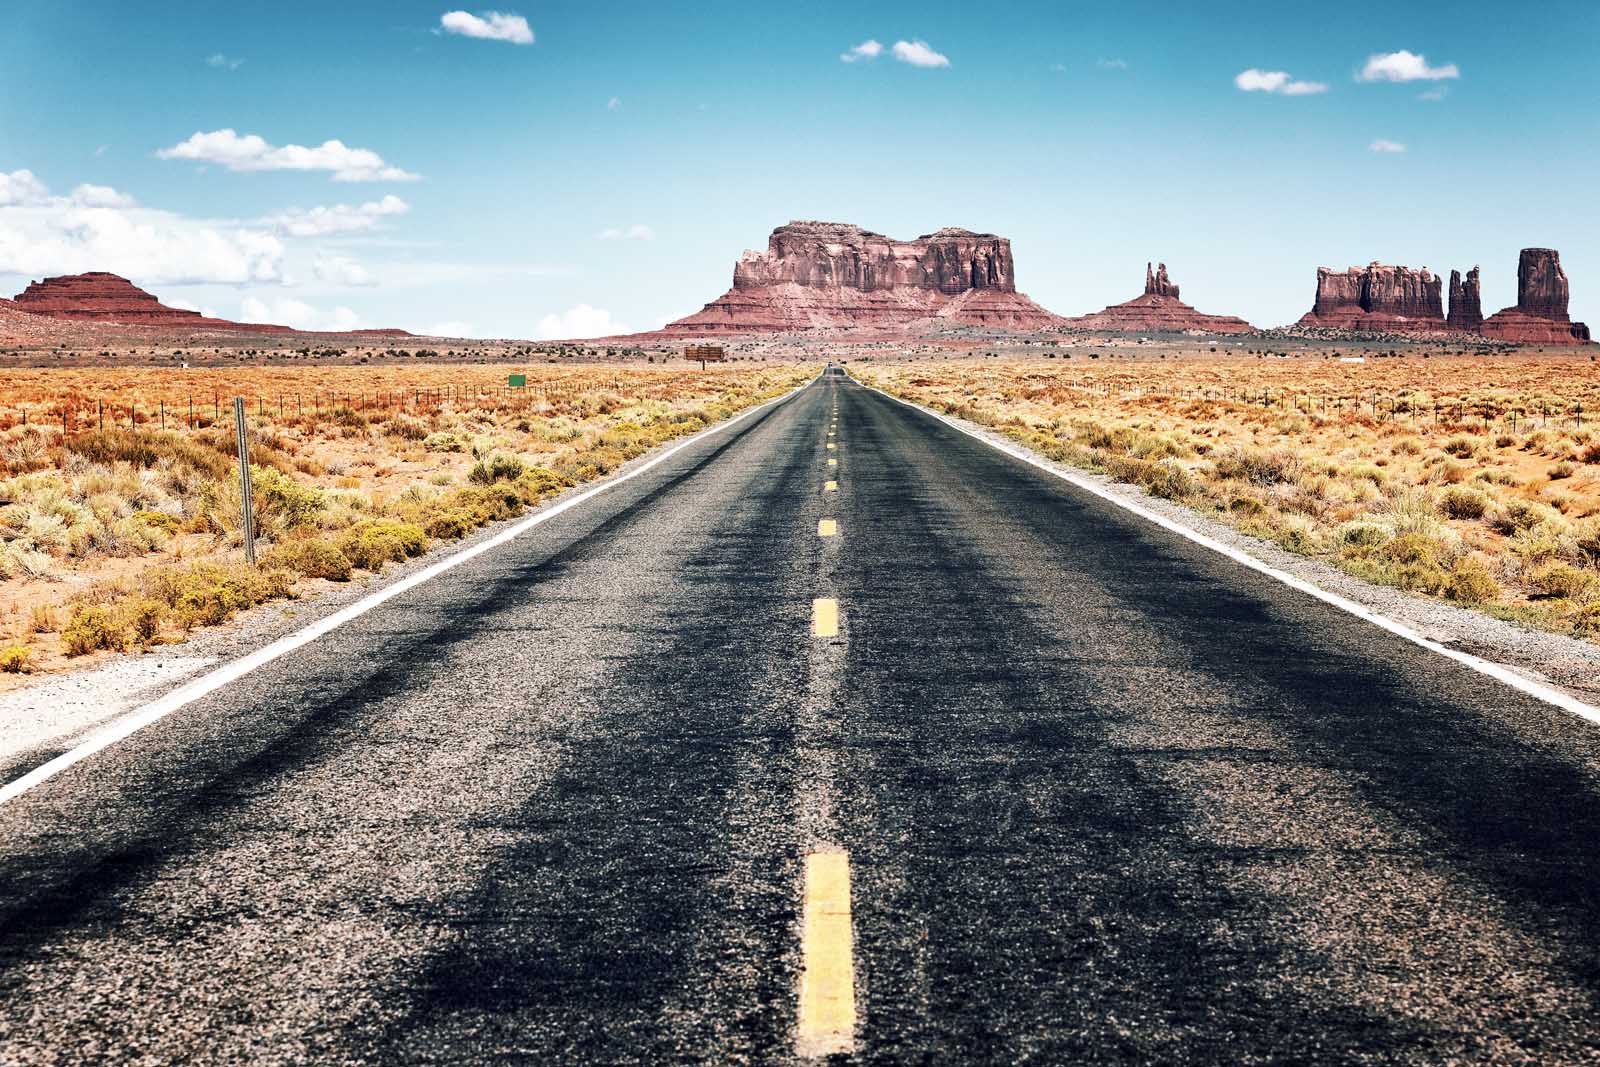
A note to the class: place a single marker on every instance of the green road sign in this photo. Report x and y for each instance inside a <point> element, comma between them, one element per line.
<point>517,380</point>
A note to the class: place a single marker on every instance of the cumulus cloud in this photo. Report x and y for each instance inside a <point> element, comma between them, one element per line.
<point>490,26</point>
<point>631,233</point>
<point>20,187</point>
<point>98,228</point>
<point>298,314</point>
<point>578,322</point>
<point>100,196</point>
<point>1112,64</point>
<point>252,153</point>
<point>1275,81</point>
<point>1384,145</point>
<point>338,270</point>
<point>868,49</point>
<point>1403,66</point>
<point>337,218</point>
<point>918,54</point>
<point>222,62</point>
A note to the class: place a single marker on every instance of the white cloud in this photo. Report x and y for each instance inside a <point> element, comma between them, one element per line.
<point>339,270</point>
<point>631,233</point>
<point>868,49</point>
<point>490,26</point>
<point>252,153</point>
<point>1384,145</point>
<point>1433,96</point>
<point>1112,64</point>
<point>337,218</point>
<point>98,228</point>
<point>918,54</point>
<point>577,322</point>
<point>1275,81</point>
<point>297,314</point>
<point>222,62</point>
<point>20,187</point>
<point>1403,66</point>
<point>100,196</point>
<point>614,104</point>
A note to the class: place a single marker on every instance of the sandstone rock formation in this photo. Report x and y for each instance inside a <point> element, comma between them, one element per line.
<point>1379,298</point>
<point>1540,316</point>
<point>826,275</point>
<point>1466,302</point>
<point>1158,310</point>
<point>99,296</point>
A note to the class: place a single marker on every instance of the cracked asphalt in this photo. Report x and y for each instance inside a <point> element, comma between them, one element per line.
<point>1107,797</point>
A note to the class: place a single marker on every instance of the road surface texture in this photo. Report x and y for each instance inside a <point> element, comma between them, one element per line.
<point>1083,791</point>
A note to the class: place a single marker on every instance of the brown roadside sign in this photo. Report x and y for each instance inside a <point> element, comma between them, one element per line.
<point>705,353</point>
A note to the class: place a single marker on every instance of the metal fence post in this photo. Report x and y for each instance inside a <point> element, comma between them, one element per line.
<point>247,505</point>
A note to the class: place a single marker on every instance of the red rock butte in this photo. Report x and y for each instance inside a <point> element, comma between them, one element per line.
<point>830,275</point>
<point>1378,298</point>
<point>1540,316</point>
<point>1158,310</point>
<point>99,296</point>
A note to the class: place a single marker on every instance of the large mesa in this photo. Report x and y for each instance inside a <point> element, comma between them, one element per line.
<point>836,276</point>
<point>1378,297</point>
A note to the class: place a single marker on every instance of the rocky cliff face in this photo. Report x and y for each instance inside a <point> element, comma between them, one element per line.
<point>1158,310</point>
<point>1158,284</point>
<point>1540,316</point>
<point>1377,297</point>
<point>1466,303</point>
<point>835,276</point>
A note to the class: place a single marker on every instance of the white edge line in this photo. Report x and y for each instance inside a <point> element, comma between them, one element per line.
<point>137,719</point>
<point>1499,673</point>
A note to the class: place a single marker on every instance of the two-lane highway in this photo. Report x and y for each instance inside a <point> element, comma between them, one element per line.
<point>837,732</point>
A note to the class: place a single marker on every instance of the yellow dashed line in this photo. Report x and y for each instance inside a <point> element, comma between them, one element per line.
<point>825,617</point>
<point>832,445</point>
<point>827,980</point>
<point>830,486</point>
<point>833,463</point>
<point>827,528</point>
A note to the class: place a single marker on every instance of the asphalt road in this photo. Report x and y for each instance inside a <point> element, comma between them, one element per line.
<point>1105,797</point>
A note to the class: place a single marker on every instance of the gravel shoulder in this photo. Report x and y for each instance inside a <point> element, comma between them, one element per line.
<point>1565,663</point>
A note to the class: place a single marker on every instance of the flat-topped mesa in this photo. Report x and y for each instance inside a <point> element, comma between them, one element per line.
<point>1377,297</point>
<point>99,296</point>
<point>837,255</point>
<point>836,276</point>
<point>1466,302</point>
<point>1540,316</point>
<point>1158,310</point>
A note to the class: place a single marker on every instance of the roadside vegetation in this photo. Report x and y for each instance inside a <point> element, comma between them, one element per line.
<point>122,534</point>
<point>1473,480</point>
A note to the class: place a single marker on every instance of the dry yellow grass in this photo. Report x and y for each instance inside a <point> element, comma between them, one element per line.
<point>124,534</point>
<point>1476,480</point>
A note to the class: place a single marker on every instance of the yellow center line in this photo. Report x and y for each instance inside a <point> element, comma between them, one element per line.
<point>833,463</point>
<point>827,528</point>
<point>827,978</point>
<point>829,486</point>
<point>832,445</point>
<point>825,617</point>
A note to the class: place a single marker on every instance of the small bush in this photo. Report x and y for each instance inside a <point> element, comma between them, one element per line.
<point>1471,583</point>
<point>1560,471</point>
<point>444,442</point>
<point>159,520</point>
<point>1359,537</point>
<point>207,594</point>
<point>450,524</point>
<point>1461,447</point>
<point>18,659</point>
<point>1563,582</point>
<point>312,557</point>
<point>374,542</point>
<point>496,467</point>
<point>92,628</point>
<point>1461,502</point>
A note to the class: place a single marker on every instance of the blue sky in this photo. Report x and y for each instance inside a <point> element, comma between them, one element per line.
<point>621,160</point>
